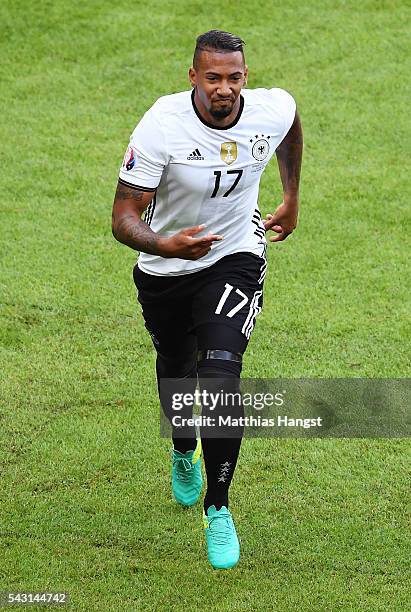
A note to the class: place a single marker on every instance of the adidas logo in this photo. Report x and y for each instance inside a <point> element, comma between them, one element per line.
<point>195,155</point>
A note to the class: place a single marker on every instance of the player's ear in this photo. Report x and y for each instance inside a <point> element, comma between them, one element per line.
<point>192,76</point>
<point>245,75</point>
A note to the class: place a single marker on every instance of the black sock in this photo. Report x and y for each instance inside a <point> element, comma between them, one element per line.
<point>182,377</point>
<point>220,458</point>
<point>182,445</point>
<point>221,445</point>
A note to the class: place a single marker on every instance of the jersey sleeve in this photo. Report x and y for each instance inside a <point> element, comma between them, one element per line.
<point>146,155</point>
<point>286,107</point>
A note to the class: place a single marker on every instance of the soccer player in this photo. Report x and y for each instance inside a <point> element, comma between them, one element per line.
<point>193,166</point>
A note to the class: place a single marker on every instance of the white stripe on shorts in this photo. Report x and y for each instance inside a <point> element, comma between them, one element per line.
<point>254,310</point>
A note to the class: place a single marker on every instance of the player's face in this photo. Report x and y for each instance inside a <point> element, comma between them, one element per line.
<point>218,79</point>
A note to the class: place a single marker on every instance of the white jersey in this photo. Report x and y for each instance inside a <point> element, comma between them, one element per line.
<point>202,174</point>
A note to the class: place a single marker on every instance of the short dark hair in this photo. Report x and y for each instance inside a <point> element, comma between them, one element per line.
<point>217,40</point>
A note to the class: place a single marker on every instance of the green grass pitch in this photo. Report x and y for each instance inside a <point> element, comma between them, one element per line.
<point>85,501</point>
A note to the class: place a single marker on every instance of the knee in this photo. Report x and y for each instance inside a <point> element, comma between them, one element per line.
<point>219,364</point>
<point>176,366</point>
<point>219,374</point>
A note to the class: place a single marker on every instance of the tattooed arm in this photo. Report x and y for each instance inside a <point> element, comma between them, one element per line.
<point>289,156</point>
<point>127,225</point>
<point>130,229</point>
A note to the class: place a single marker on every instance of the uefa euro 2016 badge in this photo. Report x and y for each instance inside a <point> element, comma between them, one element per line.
<point>129,159</point>
<point>260,147</point>
<point>228,152</point>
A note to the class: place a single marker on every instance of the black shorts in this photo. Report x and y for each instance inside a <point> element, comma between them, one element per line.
<point>214,308</point>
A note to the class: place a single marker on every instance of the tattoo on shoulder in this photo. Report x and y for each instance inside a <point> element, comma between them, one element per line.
<point>127,193</point>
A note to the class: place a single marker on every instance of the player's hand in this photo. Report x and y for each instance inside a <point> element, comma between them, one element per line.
<point>185,245</point>
<point>283,221</point>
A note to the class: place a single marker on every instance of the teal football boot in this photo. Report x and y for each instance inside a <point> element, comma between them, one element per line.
<point>222,541</point>
<point>186,476</point>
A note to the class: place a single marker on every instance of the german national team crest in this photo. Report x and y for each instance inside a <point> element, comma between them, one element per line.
<point>260,147</point>
<point>229,152</point>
